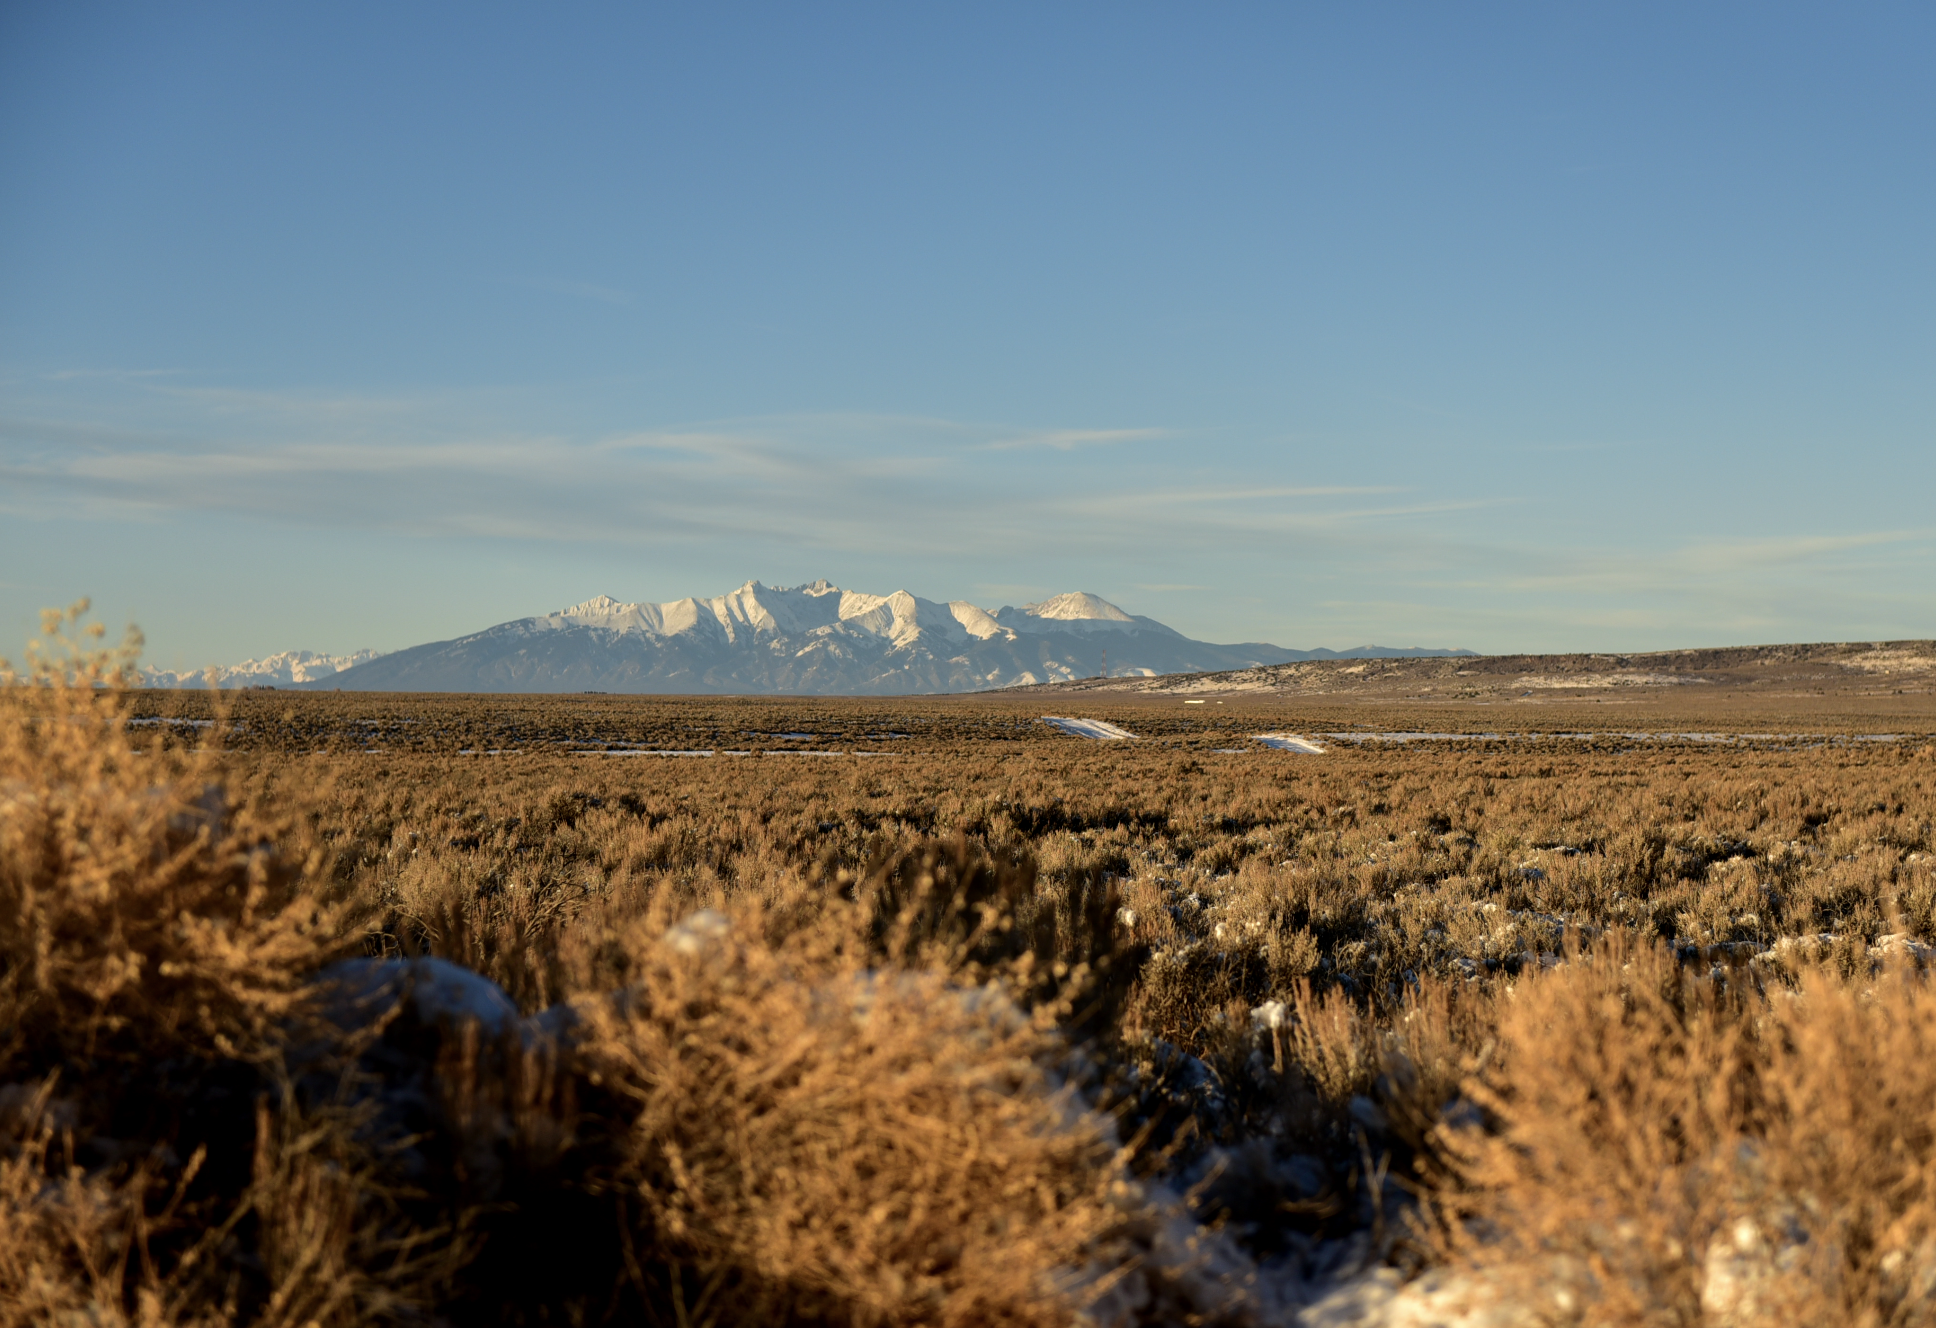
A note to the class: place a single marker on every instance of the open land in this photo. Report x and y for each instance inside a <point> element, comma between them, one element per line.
<point>1535,993</point>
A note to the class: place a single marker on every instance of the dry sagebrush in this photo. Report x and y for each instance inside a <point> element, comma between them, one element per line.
<point>1670,1147</point>
<point>808,1131</point>
<point>154,945</point>
<point>846,1094</point>
<point>145,918</point>
<point>811,1140</point>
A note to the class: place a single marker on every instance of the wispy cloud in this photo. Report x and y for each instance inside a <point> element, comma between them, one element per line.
<point>1709,591</point>
<point>71,375</point>
<point>894,491</point>
<point>843,482</point>
<point>1068,440</point>
<point>1726,555</point>
<point>1230,514</point>
<point>858,482</point>
<point>1692,568</point>
<point>1266,492</point>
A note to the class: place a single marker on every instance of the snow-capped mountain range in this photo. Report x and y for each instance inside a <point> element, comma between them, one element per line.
<point>284,670</point>
<point>812,639</point>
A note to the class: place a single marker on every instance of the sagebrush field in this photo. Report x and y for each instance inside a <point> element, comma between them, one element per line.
<point>987,1025</point>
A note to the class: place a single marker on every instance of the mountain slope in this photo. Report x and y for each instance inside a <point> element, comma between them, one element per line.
<point>813,639</point>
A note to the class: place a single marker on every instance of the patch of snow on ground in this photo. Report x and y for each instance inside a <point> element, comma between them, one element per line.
<point>1891,661</point>
<point>1592,680</point>
<point>1290,742</point>
<point>1087,728</point>
<point>1440,737</point>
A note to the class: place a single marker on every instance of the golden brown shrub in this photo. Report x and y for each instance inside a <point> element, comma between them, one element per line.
<point>813,1141</point>
<point>1618,1086</point>
<point>153,947</point>
<point>141,917</point>
<point>1670,1149</point>
<point>1833,1201</point>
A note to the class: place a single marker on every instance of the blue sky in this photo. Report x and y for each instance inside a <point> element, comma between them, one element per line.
<point>1513,327</point>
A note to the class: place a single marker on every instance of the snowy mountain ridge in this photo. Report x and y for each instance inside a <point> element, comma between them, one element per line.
<point>280,670</point>
<point>809,639</point>
<point>822,606</point>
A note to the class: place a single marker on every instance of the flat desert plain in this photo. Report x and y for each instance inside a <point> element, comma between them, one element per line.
<point>1490,989</point>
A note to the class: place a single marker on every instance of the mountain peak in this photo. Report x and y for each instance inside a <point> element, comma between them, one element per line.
<point>1076,605</point>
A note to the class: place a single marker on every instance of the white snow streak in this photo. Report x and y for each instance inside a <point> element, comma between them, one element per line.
<point>1088,728</point>
<point>1290,742</point>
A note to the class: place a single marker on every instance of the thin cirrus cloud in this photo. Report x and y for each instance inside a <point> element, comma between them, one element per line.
<point>892,492</point>
<point>1696,567</point>
<point>1705,590</point>
<point>773,451</point>
<point>1728,555</point>
<point>1259,512</point>
<point>847,482</point>
<point>71,375</point>
<point>1068,440</point>
<point>1265,492</point>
